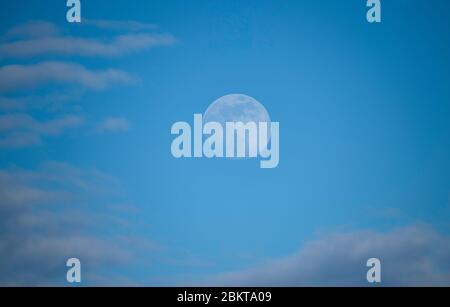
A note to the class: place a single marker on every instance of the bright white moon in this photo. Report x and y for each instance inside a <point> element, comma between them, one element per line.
<point>237,108</point>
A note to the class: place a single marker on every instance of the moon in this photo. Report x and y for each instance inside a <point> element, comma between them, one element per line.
<point>237,108</point>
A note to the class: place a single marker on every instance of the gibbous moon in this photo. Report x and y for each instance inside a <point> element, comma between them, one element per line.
<point>237,108</point>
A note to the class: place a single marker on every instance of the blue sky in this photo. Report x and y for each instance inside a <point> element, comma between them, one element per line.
<point>85,140</point>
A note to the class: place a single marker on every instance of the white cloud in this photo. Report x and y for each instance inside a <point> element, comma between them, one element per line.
<point>54,101</point>
<point>120,25</point>
<point>9,104</point>
<point>21,77</point>
<point>46,40</point>
<point>21,130</point>
<point>33,29</point>
<point>113,124</point>
<point>410,256</point>
<point>59,211</point>
<point>119,45</point>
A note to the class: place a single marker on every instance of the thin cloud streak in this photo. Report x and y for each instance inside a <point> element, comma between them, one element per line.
<point>59,211</point>
<point>32,29</point>
<point>22,77</point>
<point>411,256</point>
<point>74,46</point>
<point>120,25</point>
<point>22,130</point>
<point>113,124</point>
<point>40,38</point>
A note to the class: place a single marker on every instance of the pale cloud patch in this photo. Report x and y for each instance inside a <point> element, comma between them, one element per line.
<point>113,124</point>
<point>32,29</point>
<point>410,256</point>
<point>52,102</point>
<point>58,211</point>
<point>120,25</point>
<point>9,104</point>
<point>49,42</point>
<point>21,77</point>
<point>21,130</point>
<point>119,45</point>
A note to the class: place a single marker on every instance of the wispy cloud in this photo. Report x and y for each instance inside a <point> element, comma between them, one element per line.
<point>21,77</point>
<point>119,45</point>
<point>120,25</point>
<point>32,29</point>
<point>113,124</point>
<point>42,38</point>
<point>22,130</point>
<point>56,212</point>
<point>46,40</point>
<point>52,102</point>
<point>415,255</point>
<point>8,104</point>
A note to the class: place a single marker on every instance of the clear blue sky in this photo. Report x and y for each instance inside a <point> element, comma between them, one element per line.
<point>364,115</point>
